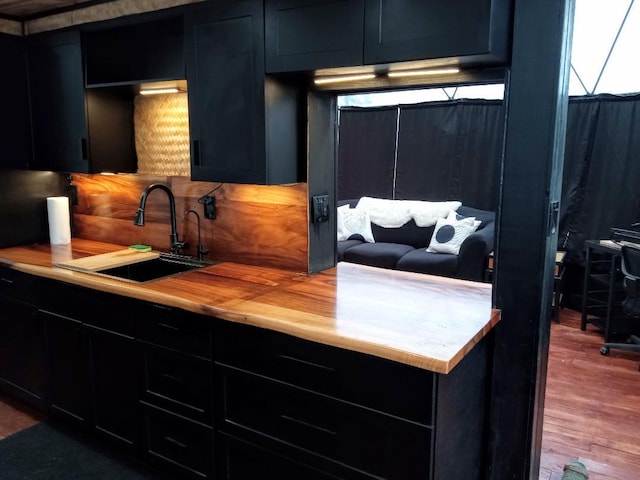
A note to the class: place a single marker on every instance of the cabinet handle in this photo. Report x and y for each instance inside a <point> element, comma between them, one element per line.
<point>166,326</point>
<point>196,153</point>
<point>6,280</point>
<point>83,148</point>
<point>307,424</point>
<point>172,377</point>
<point>175,442</point>
<point>306,362</point>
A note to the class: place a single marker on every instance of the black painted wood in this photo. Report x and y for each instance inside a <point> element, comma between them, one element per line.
<point>302,35</point>
<point>321,178</point>
<point>343,413</point>
<point>232,113</point>
<point>535,128</point>
<point>15,136</point>
<point>473,32</point>
<point>22,358</point>
<point>56,84</point>
<point>143,52</point>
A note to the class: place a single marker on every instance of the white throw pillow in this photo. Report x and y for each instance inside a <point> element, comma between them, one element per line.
<point>354,221</point>
<point>453,215</point>
<point>450,233</point>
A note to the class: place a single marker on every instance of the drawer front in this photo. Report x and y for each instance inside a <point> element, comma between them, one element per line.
<point>375,443</point>
<point>373,382</point>
<point>174,328</point>
<point>99,309</point>
<point>177,443</point>
<point>178,382</point>
<point>18,285</point>
<point>239,460</point>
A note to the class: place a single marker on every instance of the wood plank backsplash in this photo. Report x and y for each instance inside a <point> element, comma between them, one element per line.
<point>255,224</point>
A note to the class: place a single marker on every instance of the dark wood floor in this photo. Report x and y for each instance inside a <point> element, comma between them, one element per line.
<point>592,406</point>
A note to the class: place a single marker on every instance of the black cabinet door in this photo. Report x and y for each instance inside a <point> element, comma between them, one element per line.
<point>310,34</point>
<point>22,363</point>
<point>15,136</point>
<point>244,128</point>
<point>114,385</point>
<point>67,367</point>
<point>58,103</point>
<point>402,30</point>
<point>225,65</point>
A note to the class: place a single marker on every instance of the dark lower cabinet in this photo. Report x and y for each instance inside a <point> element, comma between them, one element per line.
<point>357,423</point>
<point>114,385</point>
<point>22,363</point>
<point>69,394</point>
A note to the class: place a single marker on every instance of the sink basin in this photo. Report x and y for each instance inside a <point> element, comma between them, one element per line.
<point>163,266</point>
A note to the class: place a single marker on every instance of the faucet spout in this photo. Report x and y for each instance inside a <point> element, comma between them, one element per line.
<point>176,245</point>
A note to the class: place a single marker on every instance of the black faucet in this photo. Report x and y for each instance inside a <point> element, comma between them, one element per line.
<point>202,251</point>
<point>176,245</point>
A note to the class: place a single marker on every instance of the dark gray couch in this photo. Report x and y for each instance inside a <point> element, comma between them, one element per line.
<point>405,248</point>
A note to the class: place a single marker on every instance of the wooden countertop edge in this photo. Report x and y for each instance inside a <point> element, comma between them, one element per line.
<point>233,311</point>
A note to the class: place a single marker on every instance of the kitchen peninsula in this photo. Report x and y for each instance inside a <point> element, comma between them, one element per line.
<point>354,372</point>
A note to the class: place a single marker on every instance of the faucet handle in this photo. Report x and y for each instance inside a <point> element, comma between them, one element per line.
<point>178,246</point>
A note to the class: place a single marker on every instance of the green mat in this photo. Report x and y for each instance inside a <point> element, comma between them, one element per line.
<point>46,451</point>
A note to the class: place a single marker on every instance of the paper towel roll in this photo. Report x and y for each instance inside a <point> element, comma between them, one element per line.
<point>59,222</point>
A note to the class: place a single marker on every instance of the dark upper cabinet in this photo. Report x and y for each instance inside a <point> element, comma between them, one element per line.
<point>15,137</point>
<point>243,128</point>
<point>304,35</point>
<point>474,31</point>
<point>74,131</point>
<point>58,103</point>
<point>308,34</point>
<point>142,52</point>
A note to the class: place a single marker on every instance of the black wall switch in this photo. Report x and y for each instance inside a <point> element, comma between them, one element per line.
<point>320,208</point>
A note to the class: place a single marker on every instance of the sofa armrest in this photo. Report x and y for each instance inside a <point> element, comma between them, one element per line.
<point>474,253</point>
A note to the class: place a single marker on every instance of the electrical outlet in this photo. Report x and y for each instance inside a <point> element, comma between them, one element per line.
<point>209,203</point>
<point>320,208</point>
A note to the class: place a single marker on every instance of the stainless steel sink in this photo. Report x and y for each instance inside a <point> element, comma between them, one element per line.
<point>165,265</point>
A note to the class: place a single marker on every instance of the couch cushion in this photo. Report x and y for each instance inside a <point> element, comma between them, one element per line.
<point>384,255</point>
<point>344,245</point>
<point>409,234</point>
<point>421,261</point>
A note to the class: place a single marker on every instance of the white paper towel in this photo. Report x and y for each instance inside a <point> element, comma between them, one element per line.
<point>59,222</point>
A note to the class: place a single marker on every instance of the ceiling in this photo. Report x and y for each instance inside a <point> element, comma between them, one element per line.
<point>27,9</point>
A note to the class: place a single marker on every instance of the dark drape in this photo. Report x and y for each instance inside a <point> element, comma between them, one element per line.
<point>367,144</point>
<point>601,181</point>
<point>451,151</point>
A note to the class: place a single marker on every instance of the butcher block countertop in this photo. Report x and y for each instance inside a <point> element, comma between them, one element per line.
<point>425,321</point>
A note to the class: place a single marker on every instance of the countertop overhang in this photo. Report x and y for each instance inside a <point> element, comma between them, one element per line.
<point>426,321</point>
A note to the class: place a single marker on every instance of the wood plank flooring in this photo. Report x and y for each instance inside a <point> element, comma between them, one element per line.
<point>592,406</point>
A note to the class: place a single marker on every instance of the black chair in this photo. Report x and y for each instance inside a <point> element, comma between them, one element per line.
<point>631,305</point>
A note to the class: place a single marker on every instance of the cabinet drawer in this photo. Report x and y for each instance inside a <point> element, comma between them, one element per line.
<point>178,382</point>
<point>372,442</point>
<point>176,329</point>
<point>373,382</point>
<point>17,285</point>
<point>177,443</point>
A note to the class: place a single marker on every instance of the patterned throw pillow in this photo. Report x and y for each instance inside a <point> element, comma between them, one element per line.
<point>450,233</point>
<point>352,221</point>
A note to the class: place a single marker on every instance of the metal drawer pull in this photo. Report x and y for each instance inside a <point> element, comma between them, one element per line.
<point>175,442</point>
<point>172,377</point>
<point>307,424</point>
<point>299,360</point>
<point>6,280</point>
<point>168,327</point>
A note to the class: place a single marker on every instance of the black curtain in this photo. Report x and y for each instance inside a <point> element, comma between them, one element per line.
<point>451,151</point>
<point>366,145</point>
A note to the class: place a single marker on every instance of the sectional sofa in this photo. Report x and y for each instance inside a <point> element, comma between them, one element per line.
<point>448,246</point>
